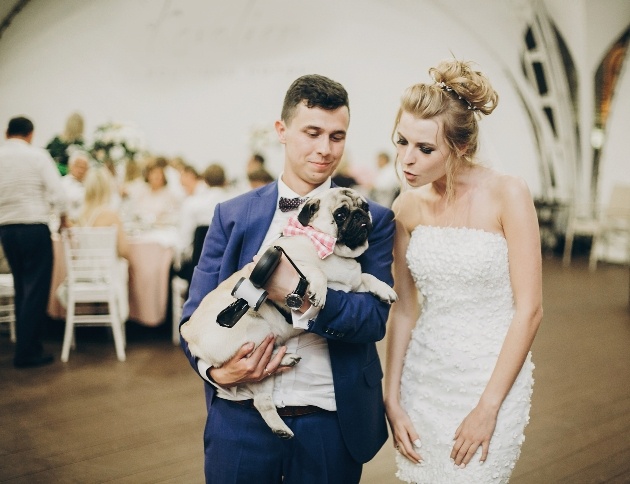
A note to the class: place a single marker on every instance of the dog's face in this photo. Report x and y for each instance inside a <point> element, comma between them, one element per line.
<point>342,213</point>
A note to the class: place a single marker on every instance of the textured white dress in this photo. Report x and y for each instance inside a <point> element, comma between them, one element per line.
<point>463,276</point>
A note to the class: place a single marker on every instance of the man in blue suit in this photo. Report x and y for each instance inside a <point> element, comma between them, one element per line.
<point>332,399</point>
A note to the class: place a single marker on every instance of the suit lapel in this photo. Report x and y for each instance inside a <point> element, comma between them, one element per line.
<point>260,212</point>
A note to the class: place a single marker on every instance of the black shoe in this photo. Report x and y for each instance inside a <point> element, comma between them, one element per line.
<point>32,362</point>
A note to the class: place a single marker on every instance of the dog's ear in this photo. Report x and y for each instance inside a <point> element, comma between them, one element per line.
<point>309,209</point>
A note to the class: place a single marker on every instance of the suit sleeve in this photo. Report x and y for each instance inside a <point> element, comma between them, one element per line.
<point>360,317</point>
<point>206,275</point>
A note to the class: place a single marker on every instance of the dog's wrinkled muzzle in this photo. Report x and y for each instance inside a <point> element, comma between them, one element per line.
<point>356,229</point>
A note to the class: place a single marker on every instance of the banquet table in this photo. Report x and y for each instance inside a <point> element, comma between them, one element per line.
<point>151,254</point>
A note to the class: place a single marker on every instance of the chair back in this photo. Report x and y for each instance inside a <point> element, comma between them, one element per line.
<point>90,254</point>
<point>619,205</point>
<point>7,303</point>
<point>200,236</point>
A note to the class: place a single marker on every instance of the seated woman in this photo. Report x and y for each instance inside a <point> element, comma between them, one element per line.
<point>98,212</point>
<point>156,203</point>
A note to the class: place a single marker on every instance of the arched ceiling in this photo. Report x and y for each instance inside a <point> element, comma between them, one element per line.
<point>8,10</point>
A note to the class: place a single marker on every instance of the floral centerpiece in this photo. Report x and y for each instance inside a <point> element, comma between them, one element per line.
<point>116,142</point>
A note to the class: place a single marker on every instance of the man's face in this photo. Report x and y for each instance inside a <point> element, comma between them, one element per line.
<point>314,141</point>
<point>79,168</point>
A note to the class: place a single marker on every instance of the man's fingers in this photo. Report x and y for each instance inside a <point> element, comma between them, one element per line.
<point>244,351</point>
<point>264,347</point>
<point>274,363</point>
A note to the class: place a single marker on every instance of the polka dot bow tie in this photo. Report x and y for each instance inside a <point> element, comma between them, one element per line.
<point>289,204</point>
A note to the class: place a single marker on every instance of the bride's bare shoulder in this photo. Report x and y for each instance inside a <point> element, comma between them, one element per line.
<point>410,205</point>
<point>507,187</point>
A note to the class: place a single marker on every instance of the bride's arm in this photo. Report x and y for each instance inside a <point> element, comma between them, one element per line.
<point>520,226</point>
<point>402,318</point>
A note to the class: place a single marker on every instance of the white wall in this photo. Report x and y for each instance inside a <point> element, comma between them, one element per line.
<point>198,76</point>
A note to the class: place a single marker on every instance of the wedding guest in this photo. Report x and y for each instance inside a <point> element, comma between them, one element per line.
<point>256,175</point>
<point>259,178</point>
<point>98,212</point>
<point>156,204</point>
<point>61,146</point>
<point>342,176</point>
<point>386,185</point>
<point>191,181</point>
<point>78,165</point>
<point>173,170</point>
<point>254,163</point>
<point>459,370</point>
<point>197,211</point>
<point>133,180</point>
<point>29,186</point>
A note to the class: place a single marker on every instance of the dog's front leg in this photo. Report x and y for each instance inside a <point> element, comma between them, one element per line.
<point>263,401</point>
<point>371,284</point>
<point>317,285</point>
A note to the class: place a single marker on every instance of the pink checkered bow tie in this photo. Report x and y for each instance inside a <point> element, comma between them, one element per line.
<point>289,204</point>
<point>324,243</point>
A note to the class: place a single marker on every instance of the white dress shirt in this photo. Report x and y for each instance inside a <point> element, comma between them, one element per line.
<point>30,184</point>
<point>197,209</point>
<point>310,382</point>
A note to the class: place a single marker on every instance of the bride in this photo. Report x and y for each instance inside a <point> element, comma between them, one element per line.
<point>459,371</point>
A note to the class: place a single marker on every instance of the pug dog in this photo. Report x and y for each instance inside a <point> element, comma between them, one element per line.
<point>341,213</point>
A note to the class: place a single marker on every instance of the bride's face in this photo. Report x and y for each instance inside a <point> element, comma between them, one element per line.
<point>421,149</point>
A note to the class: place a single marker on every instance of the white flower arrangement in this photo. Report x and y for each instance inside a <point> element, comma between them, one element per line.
<point>116,142</point>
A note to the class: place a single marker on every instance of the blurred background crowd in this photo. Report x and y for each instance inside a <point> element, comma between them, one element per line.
<point>149,190</point>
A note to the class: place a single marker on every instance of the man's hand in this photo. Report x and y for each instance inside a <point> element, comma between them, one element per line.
<point>249,364</point>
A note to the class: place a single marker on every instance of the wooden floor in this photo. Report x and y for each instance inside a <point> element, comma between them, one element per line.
<point>95,419</point>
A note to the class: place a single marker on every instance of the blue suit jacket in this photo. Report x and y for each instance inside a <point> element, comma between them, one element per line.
<point>351,322</point>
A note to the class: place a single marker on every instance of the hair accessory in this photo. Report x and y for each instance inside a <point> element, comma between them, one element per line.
<point>445,87</point>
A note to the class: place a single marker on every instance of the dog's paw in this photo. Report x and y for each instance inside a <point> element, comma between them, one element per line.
<point>317,294</point>
<point>375,286</point>
<point>283,434</point>
<point>388,295</point>
<point>290,359</point>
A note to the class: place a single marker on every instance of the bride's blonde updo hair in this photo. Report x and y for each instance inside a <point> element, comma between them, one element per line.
<point>459,96</point>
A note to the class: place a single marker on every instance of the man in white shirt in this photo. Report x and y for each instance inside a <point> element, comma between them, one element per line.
<point>203,194</point>
<point>332,399</point>
<point>30,190</point>
<point>78,165</point>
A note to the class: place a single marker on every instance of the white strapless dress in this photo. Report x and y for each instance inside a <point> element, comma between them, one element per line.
<point>463,276</point>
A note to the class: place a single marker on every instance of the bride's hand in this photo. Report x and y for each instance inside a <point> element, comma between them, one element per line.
<point>476,430</point>
<point>404,436</point>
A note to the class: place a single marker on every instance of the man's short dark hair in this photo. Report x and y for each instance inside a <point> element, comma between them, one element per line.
<point>317,92</point>
<point>20,126</point>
